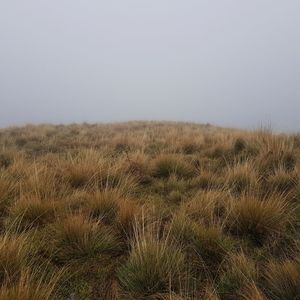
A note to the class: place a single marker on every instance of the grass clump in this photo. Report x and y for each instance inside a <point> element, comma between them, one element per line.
<point>127,214</point>
<point>139,167</point>
<point>283,280</point>
<point>282,181</point>
<point>252,292</point>
<point>7,194</point>
<point>79,176</point>
<point>238,274</point>
<point>211,246</point>
<point>76,238</point>
<point>190,147</point>
<point>153,267</point>
<point>259,220</point>
<point>31,212</point>
<point>241,178</point>
<point>5,160</point>
<point>14,257</point>
<point>205,247</point>
<point>165,166</point>
<point>103,205</point>
<point>274,160</point>
<point>239,145</point>
<point>206,181</point>
<point>28,289</point>
<point>208,207</point>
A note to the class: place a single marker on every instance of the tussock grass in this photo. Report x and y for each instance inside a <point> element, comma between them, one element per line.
<point>283,280</point>
<point>241,178</point>
<point>14,257</point>
<point>79,176</point>
<point>260,219</point>
<point>205,247</point>
<point>103,205</point>
<point>165,166</point>
<point>154,266</point>
<point>31,212</point>
<point>138,165</point>
<point>29,289</point>
<point>207,180</point>
<point>238,274</point>
<point>6,159</point>
<point>239,145</point>
<point>209,207</point>
<point>148,210</point>
<point>79,238</point>
<point>127,215</point>
<point>275,152</point>
<point>252,292</point>
<point>282,181</point>
<point>211,246</point>
<point>7,194</point>
<point>211,294</point>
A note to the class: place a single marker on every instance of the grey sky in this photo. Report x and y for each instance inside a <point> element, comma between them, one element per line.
<point>233,63</point>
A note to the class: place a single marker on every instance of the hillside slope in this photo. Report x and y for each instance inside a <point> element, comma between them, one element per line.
<point>148,210</point>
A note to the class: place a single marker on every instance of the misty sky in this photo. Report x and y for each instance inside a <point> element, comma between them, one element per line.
<point>232,63</point>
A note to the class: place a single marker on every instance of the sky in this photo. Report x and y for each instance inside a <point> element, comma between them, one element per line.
<point>233,63</point>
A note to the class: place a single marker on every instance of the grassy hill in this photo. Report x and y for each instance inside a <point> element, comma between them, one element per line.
<point>148,210</point>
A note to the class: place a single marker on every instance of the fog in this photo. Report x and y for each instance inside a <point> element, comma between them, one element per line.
<point>231,63</point>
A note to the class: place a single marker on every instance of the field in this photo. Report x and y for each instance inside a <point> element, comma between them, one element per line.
<point>149,210</point>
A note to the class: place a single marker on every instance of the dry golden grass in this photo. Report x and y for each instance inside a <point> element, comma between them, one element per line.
<point>239,272</point>
<point>252,292</point>
<point>283,279</point>
<point>260,220</point>
<point>148,210</point>
<point>30,288</point>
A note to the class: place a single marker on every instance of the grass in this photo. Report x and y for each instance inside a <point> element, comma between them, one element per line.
<point>241,178</point>
<point>77,238</point>
<point>31,212</point>
<point>153,266</point>
<point>7,194</point>
<point>282,181</point>
<point>252,292</point>
<point>103,205</point>
<point>283,280</point>
<point>260,220</point>
<point>14,257</point>
<point>29,289</point>
<point>208,207</point>
<point>239,272</point>
<point>164,167</point>
<point>148,210</point>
